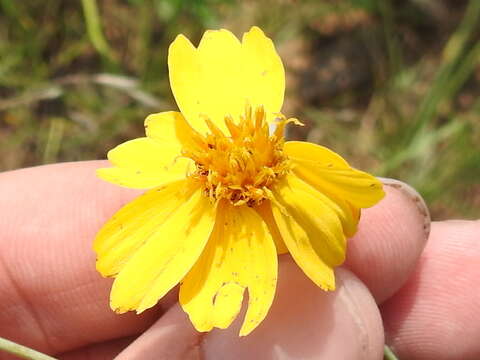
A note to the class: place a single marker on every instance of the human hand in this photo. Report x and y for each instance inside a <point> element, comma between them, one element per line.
<point>52,298</point>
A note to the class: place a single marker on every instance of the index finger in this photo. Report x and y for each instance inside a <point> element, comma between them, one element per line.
<point>50,294</point>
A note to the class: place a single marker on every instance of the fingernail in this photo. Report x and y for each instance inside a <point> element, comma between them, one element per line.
<point>414,196</point>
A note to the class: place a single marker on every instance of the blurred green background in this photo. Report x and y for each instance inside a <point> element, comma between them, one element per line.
<point>393,86</point>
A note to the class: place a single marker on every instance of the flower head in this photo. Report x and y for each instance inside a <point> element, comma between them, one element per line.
<point>225,194</point>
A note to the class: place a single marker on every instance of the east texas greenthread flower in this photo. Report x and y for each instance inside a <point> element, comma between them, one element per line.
<point>226,195</point>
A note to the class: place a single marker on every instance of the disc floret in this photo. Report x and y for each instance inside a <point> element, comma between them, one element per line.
<point>242,167</point>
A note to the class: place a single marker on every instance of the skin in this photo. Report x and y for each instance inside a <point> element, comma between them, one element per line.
<point>52,298</point>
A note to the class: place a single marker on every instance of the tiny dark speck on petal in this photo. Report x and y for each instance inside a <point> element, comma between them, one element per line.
<point>264,72</point>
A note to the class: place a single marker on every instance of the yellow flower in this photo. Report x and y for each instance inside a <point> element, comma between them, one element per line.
<point>226,195</point>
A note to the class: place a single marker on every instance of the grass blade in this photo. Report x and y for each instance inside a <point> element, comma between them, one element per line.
<point>94,28</point>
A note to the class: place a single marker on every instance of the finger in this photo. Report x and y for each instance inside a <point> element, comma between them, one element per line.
<point>49,237</point>
<point>172,337</point>
<point>51,297</point>
<point>436,315</point>
<point>101,351</point>
<point>390,239</point>
<point>303,323</point>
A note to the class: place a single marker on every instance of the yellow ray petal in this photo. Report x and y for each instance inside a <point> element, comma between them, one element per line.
<point>219,53</point>
<point>263,73</point>
<point>323,156</point>
<point>186,80</point>
<point>132,225</point>
<point>145,163</point>
<point>311,228</point>
<point>240,255</point>
<point>348,215</point>
<point>171,129</point>
<point>207,81</point>
<point>328,172</point>
<point>265,211</point>
<point>161,128</point>
<point>167,255</point>
<point>223,75</point>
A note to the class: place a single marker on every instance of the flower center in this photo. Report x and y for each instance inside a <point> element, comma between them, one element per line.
<point>241,167</point>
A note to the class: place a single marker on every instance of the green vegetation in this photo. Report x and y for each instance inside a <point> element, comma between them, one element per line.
<point>391,85</point>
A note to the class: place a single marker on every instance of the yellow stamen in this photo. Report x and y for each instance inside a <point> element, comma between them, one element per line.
<point>243,166</point>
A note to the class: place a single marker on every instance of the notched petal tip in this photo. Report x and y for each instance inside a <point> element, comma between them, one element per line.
<point>218,36</point>
<point>256,32</point>
<point>142,309</point>
<point>328,286</point>
<point>375,189</point>
<point>181,39</point>
<point>118,309</point>
<point>255,28</point>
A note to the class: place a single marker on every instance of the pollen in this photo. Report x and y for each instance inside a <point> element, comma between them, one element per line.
<point>243,165</point>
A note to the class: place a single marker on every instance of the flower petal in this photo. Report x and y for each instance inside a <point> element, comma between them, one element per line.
<point>223,75</point>
<point>170,128</point>
<point>263,73</point>
<point>240,254</point>
<point>207,81</point>
<point>219,53</point>
<point>328,172</point>
<point>186,80</point>
<point>161,128</point>
<point>132,225</point>
<point>145,163</point>
<point>265,211</point>
<point>348,215</point>
<point>168,253</point>
<point>311,229</point>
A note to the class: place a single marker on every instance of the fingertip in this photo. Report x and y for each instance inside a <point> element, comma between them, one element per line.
<point>390,239</point>
<point>171,337</point>
<point>306,322</point>
<point>411,194</point>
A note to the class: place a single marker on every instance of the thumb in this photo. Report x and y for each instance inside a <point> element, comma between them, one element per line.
<point>304,323</point>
